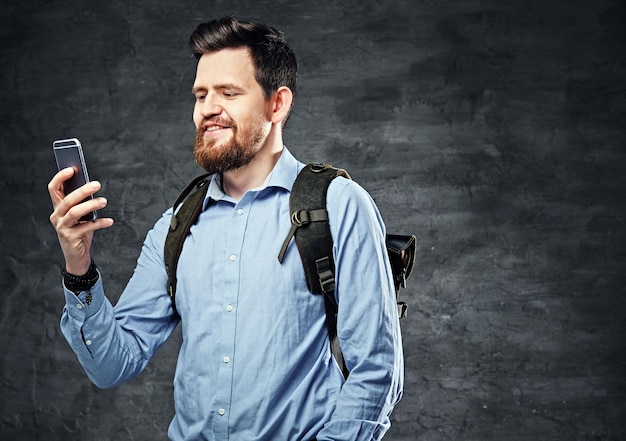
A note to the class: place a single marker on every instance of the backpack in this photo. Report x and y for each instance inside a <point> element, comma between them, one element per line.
<point>311,230</point>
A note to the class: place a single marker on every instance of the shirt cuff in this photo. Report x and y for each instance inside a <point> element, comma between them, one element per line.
<point>358,430</point>
<point>86,303</point>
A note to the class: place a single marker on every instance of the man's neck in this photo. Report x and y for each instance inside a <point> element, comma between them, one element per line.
<point>236,183</point>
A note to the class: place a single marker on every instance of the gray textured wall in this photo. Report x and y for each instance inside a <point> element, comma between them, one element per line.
<point>492,130</point>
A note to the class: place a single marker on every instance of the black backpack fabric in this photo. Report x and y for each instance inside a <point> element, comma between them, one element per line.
<point>311,231</point>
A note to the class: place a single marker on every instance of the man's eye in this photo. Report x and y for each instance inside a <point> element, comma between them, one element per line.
<point>200,98</point>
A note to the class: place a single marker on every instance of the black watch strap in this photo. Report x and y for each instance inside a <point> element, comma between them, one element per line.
<point>77,284</point>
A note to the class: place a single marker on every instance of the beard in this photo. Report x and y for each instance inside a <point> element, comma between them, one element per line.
<point>236,152</point>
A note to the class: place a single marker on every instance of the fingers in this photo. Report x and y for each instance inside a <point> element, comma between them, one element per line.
<point>57,193</point>
<point>60,218</point>
<point>73,233</point>
<point>62,203</point>
<point>55,186</point>
<point>83,210</point>
<point>69,209</point>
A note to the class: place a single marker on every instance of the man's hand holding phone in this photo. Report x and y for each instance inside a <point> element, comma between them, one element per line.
<point>68,219</point>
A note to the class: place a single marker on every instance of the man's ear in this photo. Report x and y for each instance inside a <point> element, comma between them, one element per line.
<point>281,104</point>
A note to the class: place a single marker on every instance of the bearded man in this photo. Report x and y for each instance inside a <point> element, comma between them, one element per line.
<point>255,361</point>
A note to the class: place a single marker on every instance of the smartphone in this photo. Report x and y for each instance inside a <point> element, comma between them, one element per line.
<point>69,153</point>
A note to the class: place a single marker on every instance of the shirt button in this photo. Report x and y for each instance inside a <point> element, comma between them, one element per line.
<point>88,342</point>
<point>232,257</point>
<point>229,308</point>
<point>221,411</point>
<point>226,359</point>
<point>79,306</point>
<point>240,212</point>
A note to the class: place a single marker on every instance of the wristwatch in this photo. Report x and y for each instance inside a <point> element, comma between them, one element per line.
<point>77,284</point>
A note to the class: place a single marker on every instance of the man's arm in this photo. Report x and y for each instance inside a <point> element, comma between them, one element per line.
<point>90,328</point>
<point>112,345</point>
<point>368,325</point>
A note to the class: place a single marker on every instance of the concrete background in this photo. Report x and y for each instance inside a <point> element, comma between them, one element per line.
<point>493,130</point>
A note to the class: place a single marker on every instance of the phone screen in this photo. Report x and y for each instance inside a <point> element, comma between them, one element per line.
<point>69,153</point>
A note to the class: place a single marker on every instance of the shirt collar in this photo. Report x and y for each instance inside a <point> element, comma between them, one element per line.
<point>282,175</point>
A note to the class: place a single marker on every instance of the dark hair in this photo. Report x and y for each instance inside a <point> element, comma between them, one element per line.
<point>274,61</point>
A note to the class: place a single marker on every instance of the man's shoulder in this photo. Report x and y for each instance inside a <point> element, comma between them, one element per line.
<point>342,187</point>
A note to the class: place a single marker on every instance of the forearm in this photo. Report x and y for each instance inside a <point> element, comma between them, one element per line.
<point>106,353</point>
<point>115,344</point>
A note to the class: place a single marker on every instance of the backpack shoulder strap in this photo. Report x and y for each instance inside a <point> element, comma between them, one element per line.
<point>310,227</point>
<point>191,198</point>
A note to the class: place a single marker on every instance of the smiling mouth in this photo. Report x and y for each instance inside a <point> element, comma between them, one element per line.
<point>215,131</point>
<point>215,128</point>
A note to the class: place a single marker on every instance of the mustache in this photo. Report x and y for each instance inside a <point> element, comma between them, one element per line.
<point>219,120</point>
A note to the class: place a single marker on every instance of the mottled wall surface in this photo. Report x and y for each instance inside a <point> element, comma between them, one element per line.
<point>494,131</point>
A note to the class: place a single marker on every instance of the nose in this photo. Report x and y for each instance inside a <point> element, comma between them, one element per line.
<point>210,107</point>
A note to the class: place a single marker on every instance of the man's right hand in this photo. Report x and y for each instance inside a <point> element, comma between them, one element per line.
<point>75,237</point>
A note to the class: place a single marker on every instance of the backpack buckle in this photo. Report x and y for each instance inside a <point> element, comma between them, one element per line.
<point>319,167</point>
<point>325,274</point>
<point>300,218</point>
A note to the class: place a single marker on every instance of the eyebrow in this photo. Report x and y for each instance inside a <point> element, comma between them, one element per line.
<point>226,86</point>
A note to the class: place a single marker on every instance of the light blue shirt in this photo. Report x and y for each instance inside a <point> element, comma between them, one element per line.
<point>255,360</point>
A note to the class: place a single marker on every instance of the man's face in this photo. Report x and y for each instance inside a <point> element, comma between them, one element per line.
<point>231,114</point>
